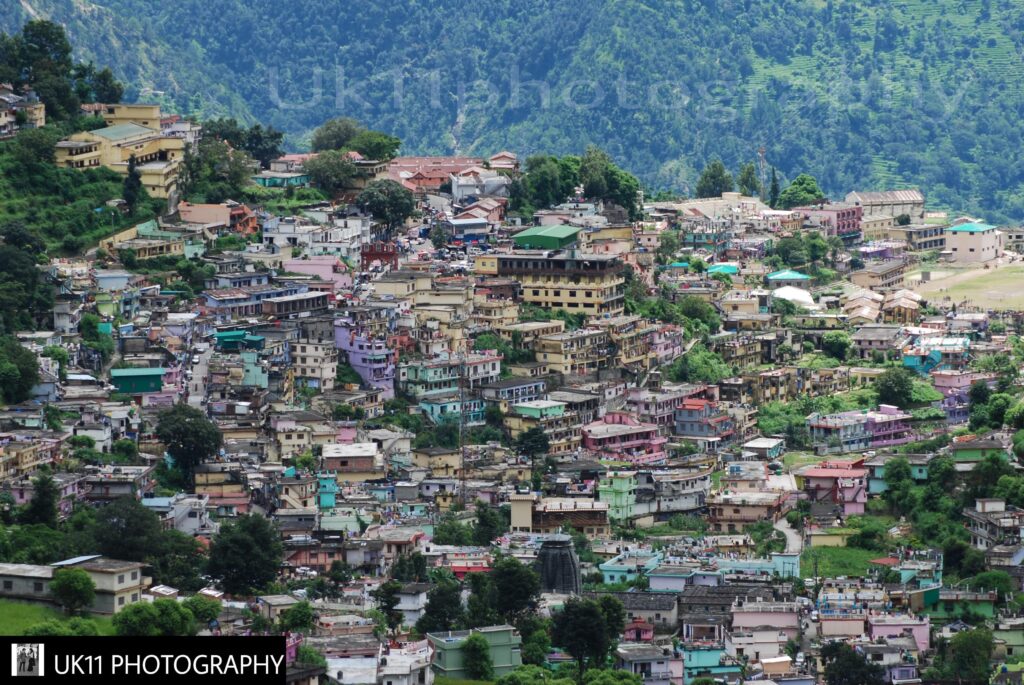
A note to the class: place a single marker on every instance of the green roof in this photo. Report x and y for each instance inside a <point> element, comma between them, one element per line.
<point>729,269</point>
<point>128,373</point>
<point>562,231</point>
<point>122,131</point>
<point>680,265</point>
<point>972,228</point>
<point>230,335</point>
<point>787,275</point>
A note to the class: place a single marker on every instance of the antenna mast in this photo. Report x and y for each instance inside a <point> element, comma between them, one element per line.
<point>762,169</point>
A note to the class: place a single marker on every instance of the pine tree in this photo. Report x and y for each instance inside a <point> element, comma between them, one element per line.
<point>132,185</point>
<point>773,193</point>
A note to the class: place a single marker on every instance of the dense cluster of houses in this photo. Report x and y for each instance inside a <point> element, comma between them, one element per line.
<point>315,347</point>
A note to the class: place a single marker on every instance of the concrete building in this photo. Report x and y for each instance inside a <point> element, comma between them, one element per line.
<point>973,243</point>
<point>504,643</point>
<point>573,281</point>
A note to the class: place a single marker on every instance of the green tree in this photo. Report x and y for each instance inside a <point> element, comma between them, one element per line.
<point>580,630</point>
<point>374,145</point>
<point>246,554</point>
<point>714,180</point>
<point>73,589</point>
<point>388,202</point>
<point>843,666</point>
<point>125,529</point>
<point>979,392</point>
<point>490,524</point>
<point>298,618</point>
<point>386,597</point>
<point>802,191</point>
<point>748,182</point>
<point>75,627</point>
<point>476,657</point>
<point>443,611</point>
<point>895,386</point>
<point>19,369</point>
<point>699,365</point>
<point>970,654</point>
<point>190,438</point>
<point>133,192</point>
<point>335,134</point>
<point>179,561</point>
<point>449,531</point>
<point>331,171</point>
<point>517,589</point>
<point>532,442</point>
<point>42,508</point>
<point>773,192</point>
<point>203,609</point>
<point>836,344</point>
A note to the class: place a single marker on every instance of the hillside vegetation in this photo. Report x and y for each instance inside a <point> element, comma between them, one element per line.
<point>866,94</point>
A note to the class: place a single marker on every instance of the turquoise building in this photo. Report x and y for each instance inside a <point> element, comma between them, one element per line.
<point>709,660</point>
<point>628,566</point>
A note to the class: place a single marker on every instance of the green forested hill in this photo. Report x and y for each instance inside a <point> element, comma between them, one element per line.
<point>865,93</point>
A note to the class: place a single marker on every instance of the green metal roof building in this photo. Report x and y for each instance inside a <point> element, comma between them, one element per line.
<point>972,227</point>
<point>787,275</point>
<point>727,269</point>
<point>136,381</point>
<point>547,237</point>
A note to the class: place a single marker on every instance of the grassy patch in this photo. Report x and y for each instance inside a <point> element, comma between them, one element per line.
<point>17,617</point>
<point>792,460</point>
<point>990,288</point>
<point>837,561</point>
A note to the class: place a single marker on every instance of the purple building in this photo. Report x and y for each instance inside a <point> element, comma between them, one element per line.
<point>368,356</point>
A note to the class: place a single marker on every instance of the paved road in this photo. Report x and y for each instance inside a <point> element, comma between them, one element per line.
<point>794,541</point>
<point>197,384</point>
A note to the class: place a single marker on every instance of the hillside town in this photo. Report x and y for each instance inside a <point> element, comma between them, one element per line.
<point>447,424</point>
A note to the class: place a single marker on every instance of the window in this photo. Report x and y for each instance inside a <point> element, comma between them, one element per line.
<point>120,579</point>
<point>8,584</point>
<point>37,587</point>
<point>135,575</point>
<point>120,601</point>
<point>135,596</point>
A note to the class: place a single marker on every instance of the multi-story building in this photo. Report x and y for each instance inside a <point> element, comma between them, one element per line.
<point>918,237</point>
<point>561,427</point>
<point>576,353</point>
<point>368,355</point>
<point>441,376</point>
<point>508,391</point>
<point>661,494</point>
<point>882,276</point>
<point>630,338</point>
<point>859,430</point>
<point>842,220</point>
<point>552,514</point>
<point>136,136</point>
<point>733,512</point>
<point>315,363</point>
<point>973,243</point>
<point>618,489</point>
<point>889,203</point>
<point>621,437</point>
<point>704,422</point>
<point>657,405</point>
<point>117,583</point>
<point>569,280</point>
<point>652,664</point>
<point>504,650</point>
<point>994,522</point>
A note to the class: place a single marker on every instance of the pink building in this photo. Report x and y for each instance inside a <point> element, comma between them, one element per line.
<point>71,485</point>
<point>621,436</point>
<point>843,483</point>
<point>324,267</point>
<point>638,630</point>
<point>781,616</point>
<point>895,626</point>
<point>950,382</point>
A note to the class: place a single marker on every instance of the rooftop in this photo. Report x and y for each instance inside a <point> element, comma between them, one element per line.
<point>972,227</point>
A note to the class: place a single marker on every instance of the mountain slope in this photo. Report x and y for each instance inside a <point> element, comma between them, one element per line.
<point>866,94</point>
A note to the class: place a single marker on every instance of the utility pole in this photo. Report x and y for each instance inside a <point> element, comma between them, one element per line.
<point>462,430</point>
<point>762,169</point>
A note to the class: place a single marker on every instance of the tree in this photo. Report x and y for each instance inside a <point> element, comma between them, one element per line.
<point>75,627</point>
<point>614,616</point>
<point>443,611</point>
<point>490,524</point>
<point>375,145</point>
<point>180,561</point>
<point>331,171</point>
<point>335,134</point>
<point>699,365</point>
<point>387,603</point>
<point>1000,581</point>
<point>773,192</point>
<point>903,220</point>
<point>836,344</point>
<point>308,655</point>
<point>133,192</point>
<point>298,618</point>
<point>137,620</point>
<point>532,442</point>
<point>748,182</point>
<point>387,201</point>
<point>203,609</point>
<point>190,438</point>
<point>450,532</point>
<point>340,573</point>
<point>125,529</point>
<point>517,589</point>
<point>970,653</point>
<point>843,666</point>
<point>802,191</point>
<point>480,608</point>
<point>246,554</point>
<point>895,386</point>
<point>73,589</point>
<point>19,368</point>
<point>42,508</point>
<point>580,630</point>
<point>979,392</point>
<point>714,180</point>
<point>476,657</point>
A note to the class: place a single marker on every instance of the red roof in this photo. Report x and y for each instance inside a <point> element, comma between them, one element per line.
<point>693,403</point>
<point>819,472</point>
<point>885,561</point>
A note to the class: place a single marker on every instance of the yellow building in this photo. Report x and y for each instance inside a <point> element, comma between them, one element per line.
<point>141,114</point>
<point>580,352</point>
<point>562,428</point>
<point>158,157</point>
<point>576,282</point>
<point>630,337</point>
<point>485,264</point>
